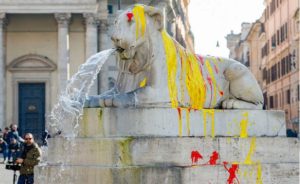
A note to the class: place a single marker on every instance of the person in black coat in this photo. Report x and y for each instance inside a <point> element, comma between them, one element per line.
<point>4,149</point>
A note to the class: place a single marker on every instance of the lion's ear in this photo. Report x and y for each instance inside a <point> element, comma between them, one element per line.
<point>157,15</point>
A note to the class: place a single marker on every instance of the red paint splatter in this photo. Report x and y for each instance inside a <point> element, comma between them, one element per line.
<point>211,88</point>
<point>195,156</point>
<point>232,172</point>
<point>213,158</point>
<point>221,93</point>
<point>216,68</point>
<point>129,16</point>
<point>200,59</point>
<point>179,112</point>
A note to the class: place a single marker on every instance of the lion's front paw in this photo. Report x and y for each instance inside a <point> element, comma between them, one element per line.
<point>98,102</point>
<point>239,104</point>
<point>228,104</point>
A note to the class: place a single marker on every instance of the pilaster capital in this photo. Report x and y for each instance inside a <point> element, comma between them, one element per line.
<point>63,19</point>
<point>91,19</point>
<point>103,25</point>
<point>3,20</point>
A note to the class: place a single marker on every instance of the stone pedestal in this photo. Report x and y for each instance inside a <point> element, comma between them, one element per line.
<point>162,145</point>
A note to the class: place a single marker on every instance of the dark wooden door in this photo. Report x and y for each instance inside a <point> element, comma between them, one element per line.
<point>32,109</point>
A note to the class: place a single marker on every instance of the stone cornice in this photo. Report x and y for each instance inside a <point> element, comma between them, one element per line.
<point>103,26</point>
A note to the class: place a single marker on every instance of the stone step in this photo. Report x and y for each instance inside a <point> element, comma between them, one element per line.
<point>127,122</point>
<point>256,173</point>
<point>153,151</point>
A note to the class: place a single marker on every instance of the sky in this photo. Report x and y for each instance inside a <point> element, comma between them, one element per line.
<point>212,20</point>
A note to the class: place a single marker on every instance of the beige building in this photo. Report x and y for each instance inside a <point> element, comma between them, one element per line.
<point>43,42</point>
<point>274,57</point>
<point>238,47</point>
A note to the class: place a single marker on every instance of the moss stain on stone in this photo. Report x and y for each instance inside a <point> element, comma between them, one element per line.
<point>125,154</point>
<point>100,121</point>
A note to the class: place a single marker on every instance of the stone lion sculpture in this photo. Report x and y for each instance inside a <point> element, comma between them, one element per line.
<point>155,70</point>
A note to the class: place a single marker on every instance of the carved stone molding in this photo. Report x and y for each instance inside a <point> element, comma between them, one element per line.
<point>91,19</point>
<point>3,20</point>
<point>63,19</point>
<point>103,25</point>
<point>32,62</point>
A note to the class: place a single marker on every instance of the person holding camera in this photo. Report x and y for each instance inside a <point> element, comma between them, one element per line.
<point>4,149</point>
<point>30,157</point>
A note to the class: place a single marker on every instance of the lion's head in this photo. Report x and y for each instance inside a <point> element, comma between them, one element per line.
<point>131,34</point>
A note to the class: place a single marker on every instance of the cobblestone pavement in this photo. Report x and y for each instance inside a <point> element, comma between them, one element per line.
<point>6,176</point>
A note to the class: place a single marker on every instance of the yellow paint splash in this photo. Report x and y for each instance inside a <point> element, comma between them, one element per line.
<point>143,83</point>
<point>244,126</point>
<point>194,82</point>
<point>140,20</point>
<point>170,51</point>
<point>211,113</point>
<point>248,160</point>
<point>182,74</point>
<point>191,75</point>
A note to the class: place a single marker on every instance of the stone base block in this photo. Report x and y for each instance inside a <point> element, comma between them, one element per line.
<point>256,173</point>
<point>127,122</point>
<point>168,151</point>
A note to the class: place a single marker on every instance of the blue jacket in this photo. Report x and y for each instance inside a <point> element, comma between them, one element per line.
<point>14,134</point>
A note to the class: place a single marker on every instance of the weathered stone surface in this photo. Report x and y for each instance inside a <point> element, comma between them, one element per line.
<point>268,174</point>
<point>171,151</point>
<point>118,122</point>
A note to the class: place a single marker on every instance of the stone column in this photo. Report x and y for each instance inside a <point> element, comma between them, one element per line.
<point>63,20</point>
<point>2,72</point>
<point>91,38</point>
<point>104,43</point>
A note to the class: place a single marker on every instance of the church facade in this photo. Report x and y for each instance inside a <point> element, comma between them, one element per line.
<point>42,44</point>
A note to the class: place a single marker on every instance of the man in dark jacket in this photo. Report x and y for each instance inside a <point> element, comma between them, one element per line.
<point>30,157</point>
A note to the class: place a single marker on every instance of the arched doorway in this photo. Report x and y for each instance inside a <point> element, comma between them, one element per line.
<point>31,81</point>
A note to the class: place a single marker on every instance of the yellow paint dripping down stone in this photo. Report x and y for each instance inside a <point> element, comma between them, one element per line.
<point>188,121</point>
<point>252,148</point>
<point>244,126</point>
<point>259,174</point>
<point>211,113</point>
<point>171,60</point>
<point>140,20</point>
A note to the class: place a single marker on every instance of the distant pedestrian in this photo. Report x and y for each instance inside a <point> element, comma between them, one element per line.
<point>13,133</point>
<point>14,149</point>
<point>4,149</point>
<point>30,157</point>
<point>5,134</point>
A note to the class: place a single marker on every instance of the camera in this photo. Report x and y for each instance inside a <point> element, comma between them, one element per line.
<point>12,166</point>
